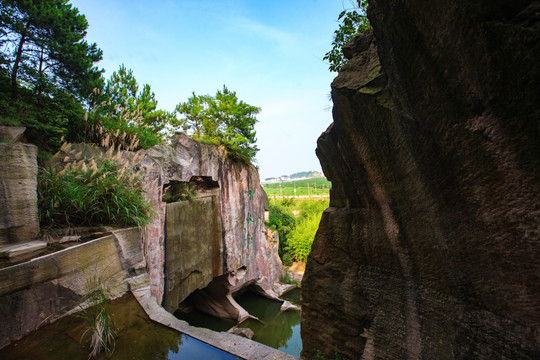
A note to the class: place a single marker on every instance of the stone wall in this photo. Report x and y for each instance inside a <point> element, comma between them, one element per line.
<point>18,182</point>
<point>242,206</point>
<point>430,247</point>
<point>193,247</point>
<point>34,292</point>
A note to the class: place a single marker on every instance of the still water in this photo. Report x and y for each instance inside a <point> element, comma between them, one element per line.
<point>138,337</point>
<point>280,330</point>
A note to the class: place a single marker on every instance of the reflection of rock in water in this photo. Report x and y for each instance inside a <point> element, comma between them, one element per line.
<point>276,327</point>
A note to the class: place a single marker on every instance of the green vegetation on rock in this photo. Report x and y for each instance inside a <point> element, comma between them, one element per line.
<point>222,119</point>
<point>353,22</point>
<point>97,192</point>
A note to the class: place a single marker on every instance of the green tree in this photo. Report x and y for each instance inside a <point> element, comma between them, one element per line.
<point>46,69</point>
<point>301,238</point>
<point>195,111</point>
<point>43,47</point>
<point>353,22</point>
<point>221,119</point>
<point>121,115</point>
<point>281,219</point>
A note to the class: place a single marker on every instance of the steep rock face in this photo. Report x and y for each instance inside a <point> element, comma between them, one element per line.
<point>193,247</point>
<point>18,181</point>
<point>242,206</point>
<point>430,248</point>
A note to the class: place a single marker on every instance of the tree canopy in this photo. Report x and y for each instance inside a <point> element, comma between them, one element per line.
<point>43,47</point>
<point>221,119</point>
<point>46,69</point>
<point>122,114</point>
<point>50,84</point>
<point>353,22</point>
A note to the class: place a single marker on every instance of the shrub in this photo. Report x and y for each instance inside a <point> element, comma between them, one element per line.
<point>301,238</point>
<point>281,220</point>
<point>287,259</point>
<point>92,193</point>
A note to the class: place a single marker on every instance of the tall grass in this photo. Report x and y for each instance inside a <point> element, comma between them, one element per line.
<point>97,314</point>
<point>94,192</point>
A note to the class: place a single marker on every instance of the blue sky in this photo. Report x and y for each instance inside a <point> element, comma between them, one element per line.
<point>268,51</point>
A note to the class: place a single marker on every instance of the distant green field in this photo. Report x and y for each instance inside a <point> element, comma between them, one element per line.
<point>316,187</point>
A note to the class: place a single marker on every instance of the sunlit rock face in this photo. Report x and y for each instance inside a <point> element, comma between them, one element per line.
<point>242,203</point>
<point>430,247</point>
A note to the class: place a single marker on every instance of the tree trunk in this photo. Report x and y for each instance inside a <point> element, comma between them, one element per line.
<point>16,64</point>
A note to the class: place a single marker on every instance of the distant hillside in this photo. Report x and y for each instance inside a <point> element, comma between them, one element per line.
<point>306,174</point>
<point>298,175</point>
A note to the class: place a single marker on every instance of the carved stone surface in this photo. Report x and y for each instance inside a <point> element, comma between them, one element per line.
<point>35,292</point>
<point>242,206</point>
<point>430,247</point>
<point>193,249</point>
<point>18,197</point>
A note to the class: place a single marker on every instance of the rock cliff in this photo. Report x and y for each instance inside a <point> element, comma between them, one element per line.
<point>242,203</point>
<point>430,248</point>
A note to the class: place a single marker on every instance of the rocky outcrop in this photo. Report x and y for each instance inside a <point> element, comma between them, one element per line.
<point>242,204</point>
<point>430,247</point>
<point>18,181</point>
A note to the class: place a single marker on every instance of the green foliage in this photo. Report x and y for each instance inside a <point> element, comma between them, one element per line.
<point>44,49</point>
<point>222,119</point>
<point>178,192</point>
<point>100,193</point>
<point>98,316</point>
<point>286,276</point>
<point>46,69</point>
<point>300,240</point>
<point>287,260</point>
<point>296,234</point>
<point>125,117</point>
<point>353,22</point>
<point>281,220</point>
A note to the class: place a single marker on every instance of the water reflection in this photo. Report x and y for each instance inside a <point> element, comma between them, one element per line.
<point>280,330</point>
<point>138,338</point>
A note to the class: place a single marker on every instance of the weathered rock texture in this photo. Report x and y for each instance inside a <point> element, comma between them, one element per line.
<point>18,181</point>
<point>242,203</point>
<point>430,248</point>
<point>193,247</point>
<point>34,292</point>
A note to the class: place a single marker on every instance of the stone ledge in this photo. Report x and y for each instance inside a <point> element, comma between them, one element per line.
<point>234,344</point>
<point>12,251</point>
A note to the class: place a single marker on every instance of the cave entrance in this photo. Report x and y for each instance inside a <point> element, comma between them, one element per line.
<point>193,238</point>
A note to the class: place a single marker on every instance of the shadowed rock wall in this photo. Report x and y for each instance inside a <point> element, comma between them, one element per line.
<point>193,247</point>
<point>430,248</point>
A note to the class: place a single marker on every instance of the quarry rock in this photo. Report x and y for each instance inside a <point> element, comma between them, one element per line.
<point>18,196</point>
<point>430,246</point>
<point>242,204</point>
<point>36,292</point>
